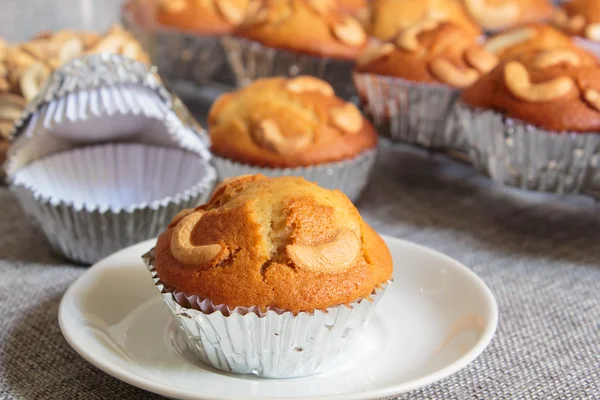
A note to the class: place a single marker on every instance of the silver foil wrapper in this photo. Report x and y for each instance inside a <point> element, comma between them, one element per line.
<point>251,60</point>
<point>273,343</point>
<point>412,112</point>
<point>118,195</point>
<point>105,156</point>
<point>179,55</point>
<point>350,176</point>
<point>519,154</point>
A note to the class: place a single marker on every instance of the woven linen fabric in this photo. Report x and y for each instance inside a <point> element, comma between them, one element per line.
<point>539,254</point>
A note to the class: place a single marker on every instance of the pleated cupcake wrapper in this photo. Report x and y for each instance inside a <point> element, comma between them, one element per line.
<point>251,60</point>
<point>412,112</point>
<point>349,176</point>
<point>518,154</point>
<point>98,99</point>
<point>274,343</point>
<point>181,55</point>
<point>119,194</point>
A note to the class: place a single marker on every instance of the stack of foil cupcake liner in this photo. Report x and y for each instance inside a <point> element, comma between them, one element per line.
<point>271,343</point>
<point>103,158</point>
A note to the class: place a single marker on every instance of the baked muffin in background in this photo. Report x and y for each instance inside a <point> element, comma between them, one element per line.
<point>297,37</point>
<point>209,17</point>
<point>580,18</point>
<point>410,83</point>
<point>498,15</point>
<point>525,39</point>
<point>387,17</point>
<point>281,258</point>
<point>534,121</point>
<point>296,126</point>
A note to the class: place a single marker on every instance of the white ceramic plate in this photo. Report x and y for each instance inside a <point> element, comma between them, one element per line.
<point>436,318</point>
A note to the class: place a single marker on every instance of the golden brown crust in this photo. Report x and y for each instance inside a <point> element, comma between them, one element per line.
<point>525,39</point>
<point>387,17</point>
<point>497,15</point>
<point>209,17</point>
<point>554,89</point>
<point>431,52</point>
<point>312,27</point>
<point>275,238</point>
<point>580,17</point>
<point>281,123</point>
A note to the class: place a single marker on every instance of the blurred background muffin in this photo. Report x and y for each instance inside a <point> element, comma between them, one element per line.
<point>297,37</point>
<point>210,17</point>
<point>498,15</point>
<point>296,126</point>
<point>534,121</point>
<point>410,83</point>
<point>581,18</point>
<point>387,17</point>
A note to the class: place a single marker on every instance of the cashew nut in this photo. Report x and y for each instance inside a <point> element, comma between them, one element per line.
<point>549,58</point>
<point>11,106</point>
<point>408,38</point>
<point>572,24</point>
<point>518,82</point>
<point>32,80</point>
<point>592,32</point>
<point>173,6</point>
<point>481,59</point>
<point>179,216</point>
<point>493,16</point>
<point>592,96</point>
<point>447,73</point>
<point>350,32</point>
<point>346,118</point>
<point>69,50</point>
<point>331,257</point>
<point>182,248</point>
<point>231,12</point>
<point>268,135</point>
<point>375,53</point>
<point>499,43</point>
<point>110,44</point>
<point>309,84</point>
<point>321,6</point>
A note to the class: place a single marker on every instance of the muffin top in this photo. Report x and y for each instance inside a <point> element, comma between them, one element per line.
<point>496,15</point>
<point>556,89</point>
<point>273,242</point>
<point>430,51</point>
<point>580,17</point>
<point>210,17</point>
<point>526,39</point>
<point>387,17</point>
<point>316,27</point>
<point>280,122</point>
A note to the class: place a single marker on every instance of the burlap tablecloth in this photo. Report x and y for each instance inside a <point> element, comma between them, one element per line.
<point>539,254</point>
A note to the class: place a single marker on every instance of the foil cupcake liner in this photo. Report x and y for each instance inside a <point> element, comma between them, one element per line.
<point>349,176</point>
<point>88,212</point>
<point>179,55</point>
<point>519,154</point>
<point>250,60</point>
<point>273,343</point>
<point>412,112</point>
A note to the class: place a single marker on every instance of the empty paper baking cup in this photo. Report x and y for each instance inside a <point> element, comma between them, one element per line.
<point>273,343</point>
<point>178,54</point>
<point>105,157</point>
<point>515,153</point>
<point>349,176</point>
<point>411,112</point>
<point>250,60</point>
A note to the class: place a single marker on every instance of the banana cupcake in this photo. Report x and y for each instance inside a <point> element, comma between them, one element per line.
<point>387,17</point>
<point>297,37</point>
<point>271,259</point>
<point>297,126</point>
<point>525,39</point>
<point>581,18</point>
<point>534,121</point>
<point>409,85</point>
<point>499,15</point>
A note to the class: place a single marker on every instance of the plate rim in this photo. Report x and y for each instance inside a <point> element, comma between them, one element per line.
<point>133,379</point>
